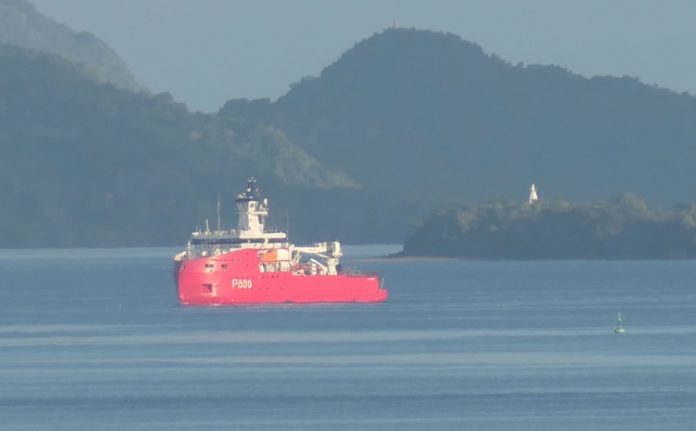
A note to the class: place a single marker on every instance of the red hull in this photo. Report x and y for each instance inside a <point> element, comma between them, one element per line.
<point>235,278</point>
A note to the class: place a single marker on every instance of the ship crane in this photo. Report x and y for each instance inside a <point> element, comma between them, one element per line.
<point>330,252</point>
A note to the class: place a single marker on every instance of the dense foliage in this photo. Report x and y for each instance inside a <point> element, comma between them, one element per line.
<point>21,25</point>
<point>86,163</point>
<point>430,117</point>
<point>622,228</point>
<point>404,122</point>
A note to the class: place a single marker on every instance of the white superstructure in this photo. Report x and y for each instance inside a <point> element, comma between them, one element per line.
<point>251,233</point>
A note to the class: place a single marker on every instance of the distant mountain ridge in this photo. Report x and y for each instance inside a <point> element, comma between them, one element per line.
<point>23,26</point>
<point>404,123</point>
<point>90,164</point>
<point>432,116</point>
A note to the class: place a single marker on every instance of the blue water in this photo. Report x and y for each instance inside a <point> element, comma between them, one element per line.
<point>95,339</point>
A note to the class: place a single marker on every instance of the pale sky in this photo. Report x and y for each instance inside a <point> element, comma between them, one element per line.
<point>205,52</point>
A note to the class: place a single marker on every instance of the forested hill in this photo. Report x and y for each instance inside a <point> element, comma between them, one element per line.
<point>23,26</point>
<point>621,228</point>
<point>85,163</point>
<point>405,122</point>
<point>429,115</point>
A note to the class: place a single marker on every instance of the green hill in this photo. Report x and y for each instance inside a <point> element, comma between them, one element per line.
<point>22,26</point>
<point>405,122</point>
<point>432,118</point>
<point>86,163</point>
<point>622,228</point>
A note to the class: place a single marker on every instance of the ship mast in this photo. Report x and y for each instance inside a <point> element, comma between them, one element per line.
<point>218,214</point>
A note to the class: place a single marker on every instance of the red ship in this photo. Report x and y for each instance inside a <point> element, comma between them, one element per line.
<point>250,265</point>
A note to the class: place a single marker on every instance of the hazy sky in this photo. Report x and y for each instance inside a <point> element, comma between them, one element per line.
<point>205,52</point>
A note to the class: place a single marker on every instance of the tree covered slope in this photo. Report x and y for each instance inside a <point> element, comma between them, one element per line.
<point>23,26</point>
<point>621,228</point>
<point>86,163</point>
<point>427,115</point>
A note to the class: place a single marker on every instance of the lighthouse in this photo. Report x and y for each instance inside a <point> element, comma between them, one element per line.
<point>533,197</point>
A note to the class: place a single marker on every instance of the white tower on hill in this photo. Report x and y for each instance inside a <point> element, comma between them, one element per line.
<point>533,197</point>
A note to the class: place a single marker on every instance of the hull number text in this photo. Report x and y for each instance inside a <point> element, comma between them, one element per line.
<point>241,283</point>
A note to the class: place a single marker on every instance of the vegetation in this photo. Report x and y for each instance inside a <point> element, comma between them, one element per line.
<point>622,228</point>
<point>404,122</point>
<point>434,119</point>
<point>86,163</point>
<point>21,25</point>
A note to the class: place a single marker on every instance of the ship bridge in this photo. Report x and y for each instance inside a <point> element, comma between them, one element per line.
<point>251,233</point>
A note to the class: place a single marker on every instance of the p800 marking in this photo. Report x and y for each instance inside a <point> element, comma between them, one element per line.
<point>242,283</point>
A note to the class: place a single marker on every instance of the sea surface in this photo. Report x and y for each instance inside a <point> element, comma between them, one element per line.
<point>96,340</point>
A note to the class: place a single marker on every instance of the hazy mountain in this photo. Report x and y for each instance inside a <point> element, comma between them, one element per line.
<point>21,25</point>
<point>431,117</point>
<point>86,163</point>
<point>403,123</point>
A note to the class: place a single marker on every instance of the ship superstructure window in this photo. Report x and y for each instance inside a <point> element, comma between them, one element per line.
<point>202,242</point>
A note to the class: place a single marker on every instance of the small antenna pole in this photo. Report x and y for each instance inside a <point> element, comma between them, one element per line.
<point>218,213</point>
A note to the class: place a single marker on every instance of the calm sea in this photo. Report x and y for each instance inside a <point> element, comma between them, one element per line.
<point>96,340</point>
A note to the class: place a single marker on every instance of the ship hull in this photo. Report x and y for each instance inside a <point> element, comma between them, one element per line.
<point>234,278</point>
